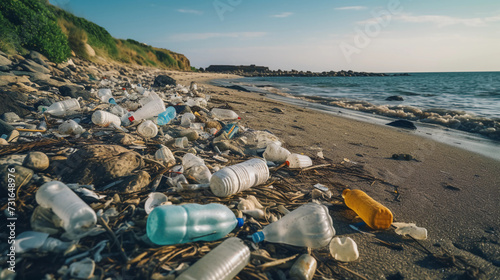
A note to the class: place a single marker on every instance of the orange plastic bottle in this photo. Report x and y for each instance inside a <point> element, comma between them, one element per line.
<point>374,214</point>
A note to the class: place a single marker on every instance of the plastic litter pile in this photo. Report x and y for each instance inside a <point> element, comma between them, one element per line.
<point>157,183</point>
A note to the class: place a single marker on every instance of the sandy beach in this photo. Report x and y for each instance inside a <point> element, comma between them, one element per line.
<point>451,192</point>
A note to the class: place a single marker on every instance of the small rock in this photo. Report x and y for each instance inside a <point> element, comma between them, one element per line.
<point>31,66</point>
<point>10,117</point>
<point>3,142</point>
<point>22,175</point>
<point>5,61</point>
<point>190,134</point>
<point>403,124</point>
<point>39,58</point>
<point>5,128</point>
<point>164,80</point>
<point>278,110</point>
<point>74,91</point>
<point>37,161</point>
<point>136,182</point>
<point>394,98</point>
<point>13,136</point>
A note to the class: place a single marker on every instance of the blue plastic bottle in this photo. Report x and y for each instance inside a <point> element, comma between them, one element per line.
<point>166,116</point>
<point>177,224</point>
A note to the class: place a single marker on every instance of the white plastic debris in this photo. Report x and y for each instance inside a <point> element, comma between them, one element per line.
<point>83,269</point>
<point>411,230</point>
<point>344,249</point>
<point>154,200</point>
<point>33,240</point>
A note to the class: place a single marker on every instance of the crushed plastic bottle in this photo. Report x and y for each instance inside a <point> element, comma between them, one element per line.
<point>276,153</point>
<point>104,118</point>
<point>411,230</point>
<point>222,263</point>
<point>165,155</point>
<point>195,167</point>
<point>166,116</point>
<point>374,214</point>
<point>177,224</point>
<point>298,161</point>
<point>70,127</point>
<point>64,107</point>
<point>344,249</point>
<point>187,119</point>
<point>77,217</point>
<point>106,96</point>
<point>33,240</point>
<point>239,177</point>
<point>150,109</point>
<point>147,129</point>
<point>310,225</point>
<point>224,114</point>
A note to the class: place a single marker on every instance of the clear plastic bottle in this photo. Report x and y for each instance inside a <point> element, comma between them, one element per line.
<point>239,177</point>
<point>224,114</point>
<point>61,108</point>
<point>276,153</point>
<point>166,116</point>
<point>298,161</point>
<point>70,127</point>
<point>77,217</point>
<point>310,225</point>
<point>106,96</point>
<point>150,109</point>
<point>104,118</point>
<point>222,263</point>
<point>187,119</point>
<point>177,224</point>
<point>374,214</point>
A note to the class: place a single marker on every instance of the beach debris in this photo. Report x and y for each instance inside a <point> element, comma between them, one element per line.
<point>411,230</point>
<point>298,161</point>
<point>303,268</point>
<point>164,80</point>
<point>406,157</point>
<point>374,214</point>
<point>154,200</point>
<point>344,249</point>
<point>252,207</point>
<point>83,269</point>
<point>32,240</point>
<point>275,153</point>
<point>403,124</point>
<point>278,110</point>
<point>239,177</point>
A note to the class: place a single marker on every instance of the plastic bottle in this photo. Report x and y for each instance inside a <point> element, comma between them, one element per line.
<point>189,160</point>
<point>222,263</point>
<point>374,214</point>
<point>149,97</point>
<point>34,240</point>
<point>77,217</point>
<point>224,114</point>
<point>150,109</point>
<point>236,178</point>
<point>104,118</point>
<point>70,127</point>
<point>187,118</point>
<point>181,142</point>
<point>276,153</point>
<point>166,116</point>
<point>177,224</point>
<point>196,168</point>
<point>310,225</point>
<point>61,108</point>
<point>303,268</point>
<point>106,96</point>
<point>298,161</point>
<point>344,249</point>
<point>147,129</point>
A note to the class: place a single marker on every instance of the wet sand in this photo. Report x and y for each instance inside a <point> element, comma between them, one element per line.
<point>453,193</point>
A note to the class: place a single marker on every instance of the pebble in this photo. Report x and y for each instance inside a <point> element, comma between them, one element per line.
<point>10,117</point>
<point>37,161</point>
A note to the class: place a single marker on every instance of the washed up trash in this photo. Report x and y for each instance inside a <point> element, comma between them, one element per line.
<point>276,153</point>
<point>344,249</point>
<point>374,214</point>
<point>224,114</point>
<point>106,96</point>
<point>177,224</point>
<point>239,177</point>
<point>165,155</point>
<point>77,217</point>
<point>150,109</point>
<point>83,269</point>
<point>181,142</point>
<point>166,116</point>
<point>303,268</point>
<point>154,200</point>
<point>195,167</point>
<point>147,129</point>
<point>298,161</point>
<point>222,263</point>
<point>103,118</point>
<point>411,230</point>
<point>70,127</point>
<point>260,139</point>
<point>252,207</point>
<point>187,119</point>
<point>63,108</point>
<point>33,240</point>
<point>321,187</point>
<point>310,225</point>
<point>230,129</point>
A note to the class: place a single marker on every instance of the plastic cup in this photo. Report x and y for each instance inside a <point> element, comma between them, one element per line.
<point>148,129</point>
<point>181,142</point>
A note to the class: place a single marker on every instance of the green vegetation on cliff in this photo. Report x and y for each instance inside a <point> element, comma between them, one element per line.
<point>37,25</point>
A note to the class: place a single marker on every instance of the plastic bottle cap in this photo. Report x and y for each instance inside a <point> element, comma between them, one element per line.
<point>112,101</point>
<point>287,163</point>
<point>240,222</point>
<point>131,118</point>
<point>239,118</point>
<point>258,237</point>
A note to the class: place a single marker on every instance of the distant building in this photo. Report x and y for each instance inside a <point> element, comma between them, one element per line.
<point>237,68</point>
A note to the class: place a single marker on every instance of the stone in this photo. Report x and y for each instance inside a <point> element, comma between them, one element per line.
<point>31,66</point>
<point>22,175</point>
<point>10,117</point>
<point>136,182</point>
<point>126,139</point>
<point>5,128</point>
<point>39,58</point>
<point>37,161</point>
<point>3,142</point>
<point>10,104</point>
<point>5,61</point>
<point>13,136</point>
<point>14,159</point>
<point>164,80</point>
<point>74,91</point>
<point>89,50</point>
<point>394,98</point>
<point>403,124</point>
<point>191,135</point>
<point>99,164</point>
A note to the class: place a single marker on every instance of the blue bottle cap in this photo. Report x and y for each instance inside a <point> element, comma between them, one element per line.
<point>258,237</point>
<point>240,222</point>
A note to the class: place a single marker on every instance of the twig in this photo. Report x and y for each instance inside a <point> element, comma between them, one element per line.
<point>316,166</point>
<point>277,262</point>
<point>115,239</point>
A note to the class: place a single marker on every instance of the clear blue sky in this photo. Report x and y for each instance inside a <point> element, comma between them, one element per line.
<point>378,36</point>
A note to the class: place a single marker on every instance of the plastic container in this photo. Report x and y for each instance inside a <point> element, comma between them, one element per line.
<point>181,142</point>
<point>150,109</point>
<point>154,200</point>
<point>303,268</point>
<point>276,153</point>
<point>374,214</point>
<point>177,224</point>
<point>411,230</point>
<point>150,97</point>
<point>61,108</point>
<point>200,173</point>
<point>147,129</point>
<point>166,116</point>
<point>104,118</point>
<point>344,249</point>
<point>230,129</point>
<point>222,263</point>
<point>187,119</point>
<point>70,127</point>
<point>310,225</point>
<point>106,96</point>
<point>189,160</point>
<point>165,155</point>
<point>224,114</point>
<point>298,161</point>
<point>77,217</point>
<point>242,176</point>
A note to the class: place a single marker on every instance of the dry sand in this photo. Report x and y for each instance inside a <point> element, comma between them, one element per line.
<point>453,193</point>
